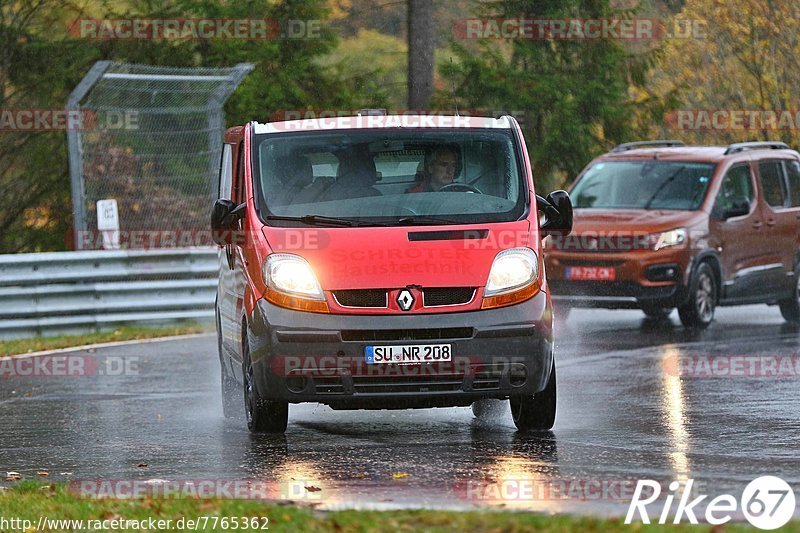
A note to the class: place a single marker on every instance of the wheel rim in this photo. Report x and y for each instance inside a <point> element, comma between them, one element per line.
<point>705,297</point>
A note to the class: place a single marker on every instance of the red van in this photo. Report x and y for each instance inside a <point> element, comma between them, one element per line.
<point>378,262</point>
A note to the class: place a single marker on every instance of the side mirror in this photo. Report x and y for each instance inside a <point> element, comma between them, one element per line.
<point>557,208</point>
<point>739,208</point>
<point>224,216</point>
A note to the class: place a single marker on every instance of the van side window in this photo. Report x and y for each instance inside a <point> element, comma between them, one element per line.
<point>736,184</point>
<point>225,173</point>
<point>793,173</point>
<point>238,179</point>
<point>772,182</point>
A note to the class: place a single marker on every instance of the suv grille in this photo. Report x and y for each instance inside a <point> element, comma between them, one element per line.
<point>361,297</point>
<point>436,296</point>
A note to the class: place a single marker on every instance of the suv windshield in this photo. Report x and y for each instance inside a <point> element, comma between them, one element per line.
<point>643,185</point>
<point>407,176</point>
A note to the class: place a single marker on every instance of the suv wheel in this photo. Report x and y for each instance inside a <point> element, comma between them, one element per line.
<point>655,312</point>
<point>698,311</point>
<point>537,412</point>
<point>790,308</point>
<point>263,416</point>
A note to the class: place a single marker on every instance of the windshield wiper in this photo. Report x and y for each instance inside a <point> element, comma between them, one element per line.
<point>320,220</point>
<point>666,182</point>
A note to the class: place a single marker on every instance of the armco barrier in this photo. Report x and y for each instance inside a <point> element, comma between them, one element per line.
<point>75,292</point>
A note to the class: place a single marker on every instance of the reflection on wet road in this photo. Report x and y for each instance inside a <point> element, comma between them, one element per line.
<point>625,413</point>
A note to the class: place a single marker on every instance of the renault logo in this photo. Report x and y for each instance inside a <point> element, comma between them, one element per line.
<point>405,299</point>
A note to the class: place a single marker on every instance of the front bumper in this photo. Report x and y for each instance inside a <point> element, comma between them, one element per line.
<point>313,357</point>
<point>642,278</point>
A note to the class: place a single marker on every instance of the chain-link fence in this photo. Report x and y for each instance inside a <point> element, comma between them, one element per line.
<point>150,138</point>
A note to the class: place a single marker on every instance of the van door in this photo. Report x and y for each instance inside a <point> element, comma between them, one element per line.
<point>228,299</point>
<point>739,239</point>
<point>793,220</point>
<point>781,222</point>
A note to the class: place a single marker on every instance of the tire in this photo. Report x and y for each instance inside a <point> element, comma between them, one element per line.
<point>654,312</point>
<point>263,416</point>
<point>698,310</point>
<point>537,412</point>
<point>487,408</point>
<point>790,308</point>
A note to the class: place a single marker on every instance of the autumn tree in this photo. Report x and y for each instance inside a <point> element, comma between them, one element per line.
<point>571,95</point>
<point>745,59</point>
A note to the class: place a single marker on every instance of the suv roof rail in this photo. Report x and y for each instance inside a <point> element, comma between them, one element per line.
<point>741,147</point>
<point>639,144</point>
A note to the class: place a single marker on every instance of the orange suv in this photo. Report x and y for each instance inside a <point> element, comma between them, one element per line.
<point>660,225</point>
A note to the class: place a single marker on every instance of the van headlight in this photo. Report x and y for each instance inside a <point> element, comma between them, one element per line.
<point>291,283</point>
<point>514,277</point>
<point>674,237</point>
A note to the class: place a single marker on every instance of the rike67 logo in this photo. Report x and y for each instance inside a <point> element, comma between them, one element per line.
<point>767,502</point>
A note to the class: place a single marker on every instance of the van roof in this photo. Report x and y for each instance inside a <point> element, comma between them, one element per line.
<point>432,121</point>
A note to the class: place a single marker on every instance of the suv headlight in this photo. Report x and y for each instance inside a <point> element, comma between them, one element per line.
<point>514,277</point>
<point>291,283</point>
<point>674,237</point>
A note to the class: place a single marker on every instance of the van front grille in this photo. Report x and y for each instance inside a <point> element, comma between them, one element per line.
<point>361,297</point>
<point>436,296</point>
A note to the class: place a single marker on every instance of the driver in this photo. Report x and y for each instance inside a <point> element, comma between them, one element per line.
<point>440,169</point>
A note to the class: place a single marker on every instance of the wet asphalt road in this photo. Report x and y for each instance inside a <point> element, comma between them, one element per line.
<point>623,414</point>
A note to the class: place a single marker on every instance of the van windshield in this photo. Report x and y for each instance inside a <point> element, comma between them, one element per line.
<point>385,177</point>
<point>643,185</point>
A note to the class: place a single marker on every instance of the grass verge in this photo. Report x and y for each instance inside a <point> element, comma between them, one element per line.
<point>122,333</point>
<point>32,500</point>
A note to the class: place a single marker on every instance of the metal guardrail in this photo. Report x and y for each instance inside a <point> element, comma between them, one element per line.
<point>60,293</point>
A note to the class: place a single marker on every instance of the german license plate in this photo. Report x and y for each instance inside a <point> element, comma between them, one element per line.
<point>408,354</point>
<point>590,273</point>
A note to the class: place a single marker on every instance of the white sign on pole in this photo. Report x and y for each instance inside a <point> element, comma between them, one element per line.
<point>108,223</point>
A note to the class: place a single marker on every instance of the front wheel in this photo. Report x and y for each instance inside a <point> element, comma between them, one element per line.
<point>698,311</point>
<point>790,308</point>
<point>263,416</point>
<point>537,412</point>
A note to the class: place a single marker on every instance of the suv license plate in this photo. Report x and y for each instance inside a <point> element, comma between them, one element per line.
<point>591,273</point>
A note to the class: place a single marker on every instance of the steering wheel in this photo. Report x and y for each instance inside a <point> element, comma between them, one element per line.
<point>460,187</point>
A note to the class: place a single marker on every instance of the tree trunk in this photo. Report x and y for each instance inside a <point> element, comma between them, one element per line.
<point>420,53</point>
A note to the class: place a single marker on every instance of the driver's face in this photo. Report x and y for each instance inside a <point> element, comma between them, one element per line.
<point>443,169</point>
